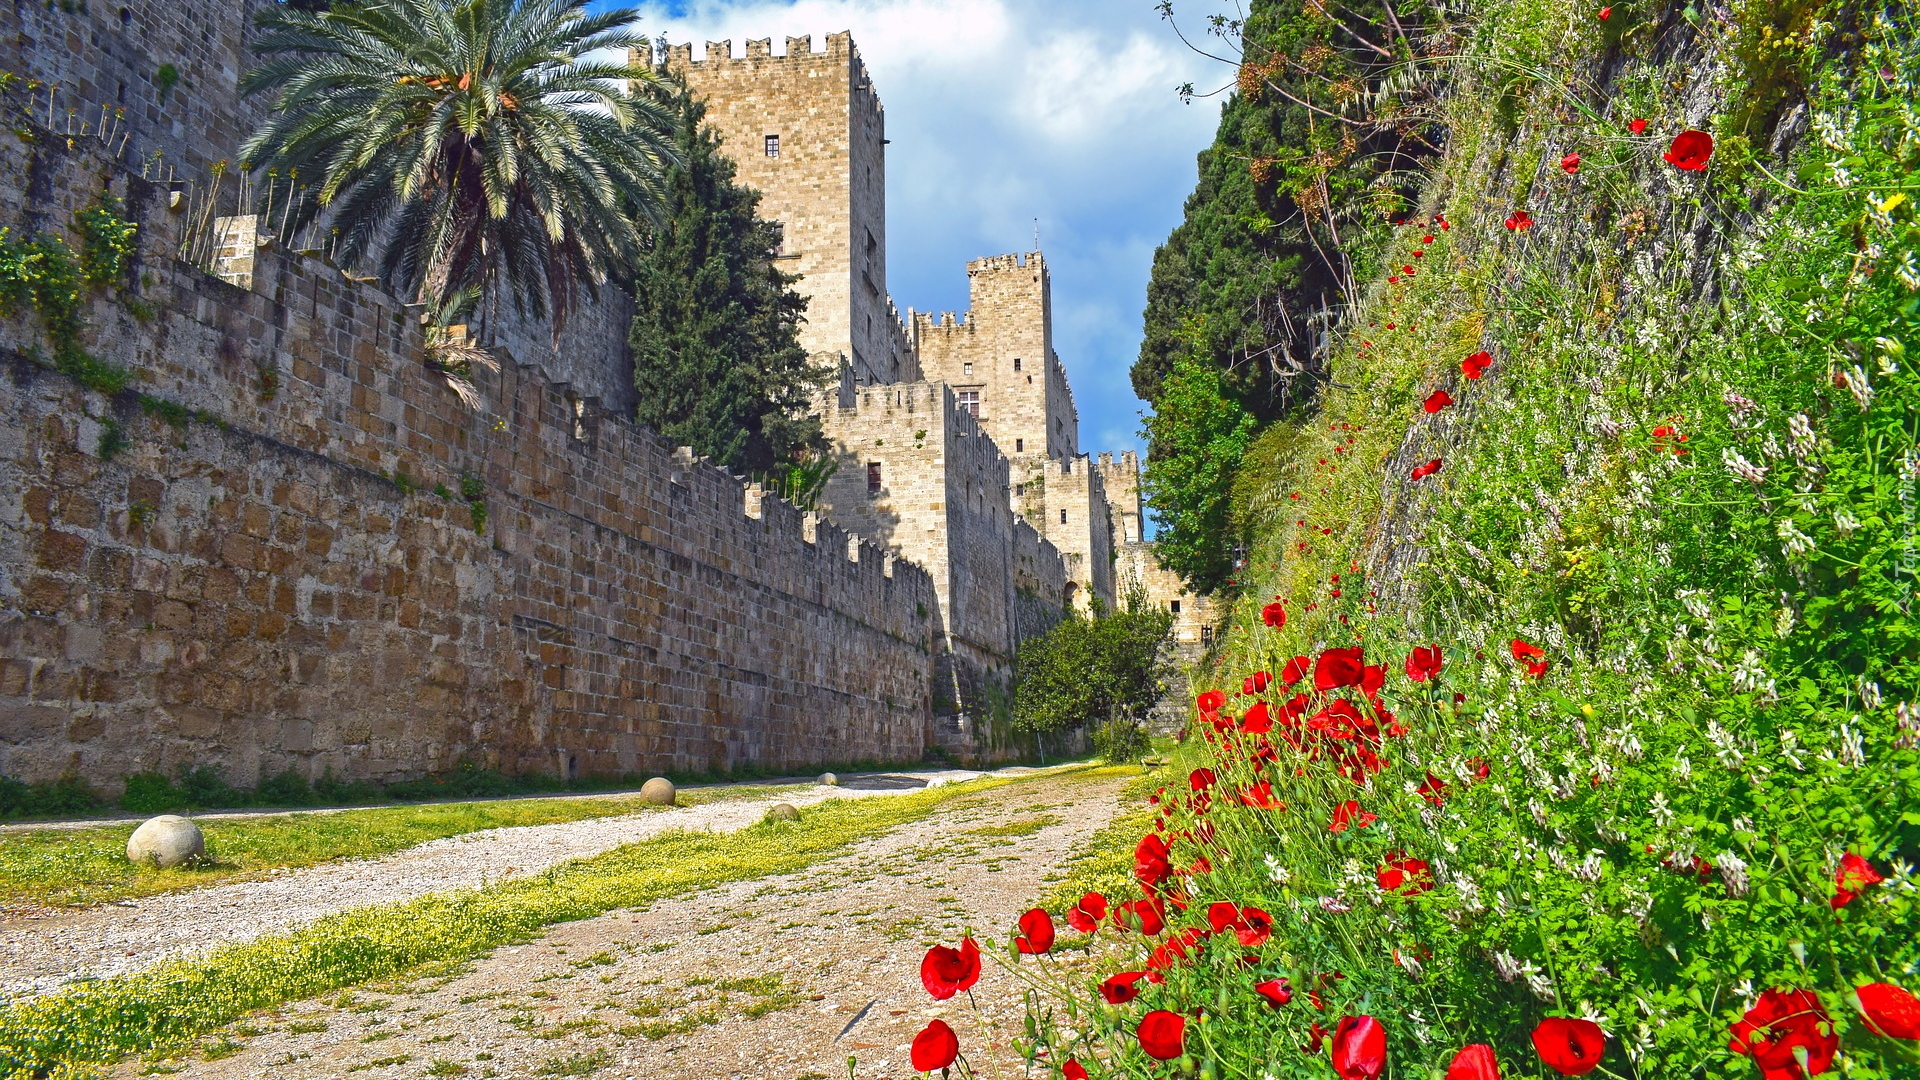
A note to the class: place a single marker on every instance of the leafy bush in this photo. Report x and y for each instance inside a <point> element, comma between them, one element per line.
<point>1121,739</point>
<point>67,795</point>
<point>1086,670</point>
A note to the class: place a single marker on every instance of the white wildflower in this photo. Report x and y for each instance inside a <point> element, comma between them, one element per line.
<point>1738,465</point>
<point>1790,749</point>
<point>1859,385</point>
<point>1407,961</point>
<point>1794,543</point>
<point>1541,986</point>
<point>1750,677</point>
<point>1630,747</point>
<point>1770,448</point>
<point>1697,607</point>
<point>1740,407</point>
<point>1734,872</point>
<point>1800,437</point>
<point>1783,623</point>
<point>1506,966</point>
<point>1538,811</point>
<point>1278,874</point>
<point>1332,905</point>
<point>1870,697</point>
<point>1845,523</point>
<point>1909,718</point>
<point>1469,891</point>
<point>1660,811</point>
<point>1725,746</point>
<point>1590,867</point>
<point>1682,768</point>
<point>1853,751</point>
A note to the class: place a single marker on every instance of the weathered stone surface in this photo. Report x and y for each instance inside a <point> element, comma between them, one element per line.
<point>829,779</point>
<point>166,842</point>
<point>659,791</point>
<point>783,812</point>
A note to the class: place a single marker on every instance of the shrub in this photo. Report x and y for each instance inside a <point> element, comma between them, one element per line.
<point>1086,670</point>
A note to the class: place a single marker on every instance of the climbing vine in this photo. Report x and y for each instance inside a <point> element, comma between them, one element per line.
<point>45,276</point>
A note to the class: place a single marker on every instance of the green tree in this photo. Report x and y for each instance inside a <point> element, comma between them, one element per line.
<point>465,145</point>
<point>716,335</point>
<point>1109,668</point>
<point>1199,435</point>
<point>1318,146</point>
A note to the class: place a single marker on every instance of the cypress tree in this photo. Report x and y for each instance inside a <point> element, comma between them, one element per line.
<point>717,358</point>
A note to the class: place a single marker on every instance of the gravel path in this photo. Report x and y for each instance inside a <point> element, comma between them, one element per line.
<point>783,978</point>
<point>41,953</point>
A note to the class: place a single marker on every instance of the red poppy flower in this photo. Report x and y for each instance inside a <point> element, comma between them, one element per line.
<point>1085,916</point>
<point>1337,668</point>
<point>1141,915</point>
<point>1150,865</point>
<point>1201,779</point>
<point>1690,150</point>
<point>1569,1045</point>
<point>1638,127</point>
<point>1421,472</point>
<point>1400,874</point>
<point>1889,1010</point>
<point>1119,988</point>
<point>1424,662</point>
<point>1260,797</point>
<point>1036,932</point>
<point>1373,678</point>
<point>1256,683</point>
<point>1781,1028</point>
<point>1519,220</point>
<point>1295,670</point>
<point>1276,991</point>
<point>1359,1048</point>
<point>1348,814</point>
<point>1222,914</point>
<point>1274,615</point>
<point>1852,878</point>
<point>1474,1062</point>
<point>1254,927</point>
<point>1073,1070</point>
<point>1436,401</point>
<point>1163,1035</point>
<point>1175,948</point>
<point>1570,164</point>
<point>1434,790</point>
<point>1606,13</point>
<point>1476,365</point>
<point>945,972</point>
<point>1538,668</point>
<point>1257,722</point>
<point>1524,651</point>
<point>935,1048</point>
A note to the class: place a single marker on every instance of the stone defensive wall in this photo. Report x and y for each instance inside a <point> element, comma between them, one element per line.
<point>288,544</point>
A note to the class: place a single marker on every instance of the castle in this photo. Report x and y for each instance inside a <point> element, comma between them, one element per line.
<point>290,547</point>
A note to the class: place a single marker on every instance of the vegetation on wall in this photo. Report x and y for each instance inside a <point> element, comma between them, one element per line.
<point>1318,147</point>
<point>1569,723</point>
<point>717,358</point>
<point>44,276</point>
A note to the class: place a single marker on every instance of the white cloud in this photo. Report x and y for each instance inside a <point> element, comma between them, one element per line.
<point>1004,111</point>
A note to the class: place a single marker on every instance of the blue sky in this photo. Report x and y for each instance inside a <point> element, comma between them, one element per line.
<point>1003,111</point>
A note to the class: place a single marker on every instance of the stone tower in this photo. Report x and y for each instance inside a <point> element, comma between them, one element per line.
<point>999,359</point>
<point>807,130</point>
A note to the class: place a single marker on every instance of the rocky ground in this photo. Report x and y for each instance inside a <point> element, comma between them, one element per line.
<point>43,948</point>
<point>783,978</point>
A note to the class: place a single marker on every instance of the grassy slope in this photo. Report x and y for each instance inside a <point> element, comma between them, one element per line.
<point>89,866</point>
<point>101,1022</point>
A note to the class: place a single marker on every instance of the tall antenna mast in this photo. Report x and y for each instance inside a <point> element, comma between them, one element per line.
<point>1036,234</point>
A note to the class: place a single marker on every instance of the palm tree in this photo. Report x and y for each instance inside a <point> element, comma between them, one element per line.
<point>456,145</point>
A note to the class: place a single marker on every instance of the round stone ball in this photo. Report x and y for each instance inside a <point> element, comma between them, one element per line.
<point>658,791</point>
<point>828,779</point>
<point>166,841</point>
<point>783,812</point>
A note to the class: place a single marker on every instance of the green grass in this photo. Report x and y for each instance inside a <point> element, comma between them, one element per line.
<point>59,867</point>
<point>101,1022</point>
<point>1021,827</point>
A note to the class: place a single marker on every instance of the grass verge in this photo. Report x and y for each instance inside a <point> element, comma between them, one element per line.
<point>94,1024</point>
<point>58,867</point>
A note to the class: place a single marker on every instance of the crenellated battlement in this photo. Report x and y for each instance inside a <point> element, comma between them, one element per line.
<point>1032,262</point>
<point>840,46</point>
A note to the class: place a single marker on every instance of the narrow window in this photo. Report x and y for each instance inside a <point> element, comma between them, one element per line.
<point>966,369</point>
<point>1206,635</point>
<point>1016,365</point>
<point>1176,607</point>
<point>1019,489</point>
<point>1029,380</point>
<point>1063,517</point>
<point>873,478</point>
<point>1019,446</point>
<point>773,146</point>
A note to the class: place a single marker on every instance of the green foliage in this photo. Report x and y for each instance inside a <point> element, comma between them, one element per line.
<point>1198,435</point>
<point>43,275</point>
<point>716,332</point>
<point>1101,669</point>
<point>96,1023</point>
<point>1121,739</point>
<point>479,144</point>
<point>1690,479</point>
<point>67,795</point>
<point>108,242</point>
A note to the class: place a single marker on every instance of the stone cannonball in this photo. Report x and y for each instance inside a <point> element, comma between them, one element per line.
<point>828,779</point>
<point>659,791</point>
<point>166,841</point>
<point>783,812</point>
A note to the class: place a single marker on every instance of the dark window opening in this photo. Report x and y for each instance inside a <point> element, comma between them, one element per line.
<point>773,146</point>
<point>1206,635</point>
<point>1176,607</point>
<point>1019,489</point>
<point>1063,517</point>
<point>1016,365</point>
<point>873,478</point>
<point>1019,446</point>
<point>1029,380</point>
